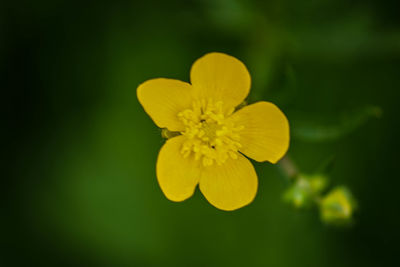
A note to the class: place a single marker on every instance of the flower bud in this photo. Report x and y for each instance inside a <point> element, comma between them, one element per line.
<point>305,189</point>
<point>337,206</point>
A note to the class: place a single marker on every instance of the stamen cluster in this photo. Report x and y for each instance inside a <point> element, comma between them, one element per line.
<point>210,136</point>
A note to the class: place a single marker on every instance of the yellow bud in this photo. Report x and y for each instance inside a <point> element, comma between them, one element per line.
<point>338,206</point>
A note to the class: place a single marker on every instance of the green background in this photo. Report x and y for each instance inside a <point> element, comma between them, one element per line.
<point>79,152</point>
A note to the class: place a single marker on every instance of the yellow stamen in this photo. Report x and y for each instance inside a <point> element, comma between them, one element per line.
<point>209,135</point>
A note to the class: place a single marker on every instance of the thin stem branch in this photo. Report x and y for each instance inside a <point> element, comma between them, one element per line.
<point>288,167</point>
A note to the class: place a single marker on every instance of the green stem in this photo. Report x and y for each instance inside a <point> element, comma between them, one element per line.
<point>288,167</point>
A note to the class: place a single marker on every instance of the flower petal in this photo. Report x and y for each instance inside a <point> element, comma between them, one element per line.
<point>222,78</point>
<point>231,185</point>
<point>163,99</point>
<point>177,176</point>
<point>265,136</point>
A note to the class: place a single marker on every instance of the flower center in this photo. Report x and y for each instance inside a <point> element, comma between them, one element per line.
<point>210,137</point>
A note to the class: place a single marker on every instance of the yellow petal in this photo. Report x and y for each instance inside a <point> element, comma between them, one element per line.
<point>221,78</point>
<point>177,176</point>
<point>265,136</point>
<point>163,99</point>
<point>231,185</point>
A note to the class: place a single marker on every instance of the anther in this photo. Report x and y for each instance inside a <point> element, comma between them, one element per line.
<point>210,138</point>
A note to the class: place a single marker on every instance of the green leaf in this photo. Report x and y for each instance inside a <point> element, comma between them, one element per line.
<point>308,127</point>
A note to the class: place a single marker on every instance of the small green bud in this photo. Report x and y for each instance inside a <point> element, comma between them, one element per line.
<point>297,196</point>
<point>305,189</point>
<point>338,206</point>
<point>318,183</point>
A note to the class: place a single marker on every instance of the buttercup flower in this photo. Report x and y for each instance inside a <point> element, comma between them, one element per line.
<point>213,139</point>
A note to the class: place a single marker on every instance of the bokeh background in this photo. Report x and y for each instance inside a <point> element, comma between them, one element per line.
<point>79,153</point>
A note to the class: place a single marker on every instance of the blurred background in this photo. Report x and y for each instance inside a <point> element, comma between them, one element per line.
<point>79,153</point>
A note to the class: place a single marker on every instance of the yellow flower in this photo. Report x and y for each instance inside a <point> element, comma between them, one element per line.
<point>213,138</point>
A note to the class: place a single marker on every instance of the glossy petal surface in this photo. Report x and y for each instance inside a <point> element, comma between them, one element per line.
<point>220,77</point>
<point>231,185</point>
<point>163,99</point>
<point>177,176</point>
<point>265,136</point>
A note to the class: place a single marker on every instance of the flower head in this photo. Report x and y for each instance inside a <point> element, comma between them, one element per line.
<point>213,138</point>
